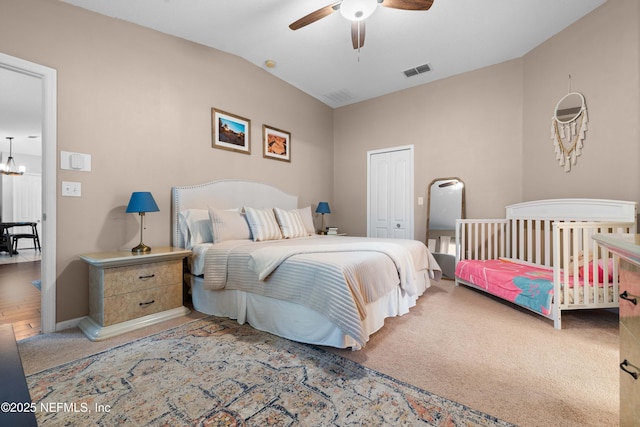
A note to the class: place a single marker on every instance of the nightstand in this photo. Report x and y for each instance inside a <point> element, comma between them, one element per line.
<point>128,291</point>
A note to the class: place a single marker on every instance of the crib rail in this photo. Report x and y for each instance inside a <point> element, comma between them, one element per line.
<point>527,240</point>
<point>582,259</point>
<point>480,239</point>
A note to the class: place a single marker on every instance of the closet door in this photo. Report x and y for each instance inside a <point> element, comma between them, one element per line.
<point>390,193</point>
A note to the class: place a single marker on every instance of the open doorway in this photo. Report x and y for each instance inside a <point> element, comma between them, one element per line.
<point>20,201</point>
<point>44,84</point>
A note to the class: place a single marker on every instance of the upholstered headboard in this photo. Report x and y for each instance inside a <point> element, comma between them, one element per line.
<point>225,194</point>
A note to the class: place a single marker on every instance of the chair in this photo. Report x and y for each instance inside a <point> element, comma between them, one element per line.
<point>6,244</point>
<point>33,236</point>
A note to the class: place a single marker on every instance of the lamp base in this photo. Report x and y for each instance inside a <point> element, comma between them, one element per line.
<point>141,248</point>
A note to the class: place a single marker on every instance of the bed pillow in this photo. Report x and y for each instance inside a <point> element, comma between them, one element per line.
<point>290,222</point>
<point>229,224</point>
<point>195,227</point>
<point>263,224</point>
<point>307,220</point>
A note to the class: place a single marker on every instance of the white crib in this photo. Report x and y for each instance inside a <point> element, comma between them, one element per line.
<point>556,234</point>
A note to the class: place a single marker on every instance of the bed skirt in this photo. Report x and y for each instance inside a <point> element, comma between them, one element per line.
<point>297,322</point>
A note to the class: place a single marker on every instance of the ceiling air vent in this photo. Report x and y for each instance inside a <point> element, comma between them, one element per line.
<point>417,70</point>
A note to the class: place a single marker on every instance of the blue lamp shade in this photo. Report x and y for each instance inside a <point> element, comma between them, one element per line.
<point>323,208</point>
<point>142,201</point>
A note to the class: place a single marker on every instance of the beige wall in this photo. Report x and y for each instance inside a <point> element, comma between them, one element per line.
<point>491,127</point>
<point>139,102</point>
<point>467,126</point>
<point>601,53</point>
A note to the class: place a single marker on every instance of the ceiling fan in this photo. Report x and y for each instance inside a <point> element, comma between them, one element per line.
<point>357,11</point>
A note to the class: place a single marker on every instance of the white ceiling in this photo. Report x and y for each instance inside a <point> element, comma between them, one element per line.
<point>453,37</point>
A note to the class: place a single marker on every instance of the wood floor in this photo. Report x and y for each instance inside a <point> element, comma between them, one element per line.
<point>19,298</point>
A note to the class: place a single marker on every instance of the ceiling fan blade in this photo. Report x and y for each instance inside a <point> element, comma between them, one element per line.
<point>314,16</point>
<point>357,34</point>
<point>408,4</point>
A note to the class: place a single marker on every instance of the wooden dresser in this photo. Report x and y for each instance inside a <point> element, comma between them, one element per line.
<point>627,247</point>
<point>128,290</point>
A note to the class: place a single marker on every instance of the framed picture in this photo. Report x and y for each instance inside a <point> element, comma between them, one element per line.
<point>230,132</point>
<point>277,143</point>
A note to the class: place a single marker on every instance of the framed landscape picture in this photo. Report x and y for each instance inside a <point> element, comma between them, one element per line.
<point>277,143</point>
<point>230,132</point>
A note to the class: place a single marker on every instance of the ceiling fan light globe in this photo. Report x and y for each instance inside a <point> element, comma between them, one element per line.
<point>357,10</point>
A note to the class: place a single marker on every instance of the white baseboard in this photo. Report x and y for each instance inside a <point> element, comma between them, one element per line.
<point>68,324</point>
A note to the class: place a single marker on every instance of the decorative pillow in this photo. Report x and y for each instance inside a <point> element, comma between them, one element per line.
<point>601,264</point>
<point>228,225</point>
<point>290,223</point>
<point>307,220</point>
<point>263,224</point>
<point>195,227</point>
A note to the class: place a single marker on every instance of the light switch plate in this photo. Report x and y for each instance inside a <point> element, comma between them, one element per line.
<point>71,189</point>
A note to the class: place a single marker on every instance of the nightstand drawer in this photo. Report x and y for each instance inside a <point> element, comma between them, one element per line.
<point>120,308</point>
<point>121,280</point>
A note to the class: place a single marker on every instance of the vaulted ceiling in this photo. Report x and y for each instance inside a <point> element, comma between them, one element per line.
<point>452,37</point>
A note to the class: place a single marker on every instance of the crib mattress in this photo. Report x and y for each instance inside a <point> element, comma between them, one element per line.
<point>525,285</point>
<point>531,286</point>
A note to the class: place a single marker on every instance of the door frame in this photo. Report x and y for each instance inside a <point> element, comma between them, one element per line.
<point>410,190</point>
<point>48,77</point>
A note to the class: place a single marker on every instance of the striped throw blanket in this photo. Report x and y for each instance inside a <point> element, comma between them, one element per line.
<point>316,273</point>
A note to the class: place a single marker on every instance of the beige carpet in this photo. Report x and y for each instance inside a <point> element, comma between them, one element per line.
<point>464,346</point>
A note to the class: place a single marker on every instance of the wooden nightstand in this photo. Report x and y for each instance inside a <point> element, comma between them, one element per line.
<point>128,291</point>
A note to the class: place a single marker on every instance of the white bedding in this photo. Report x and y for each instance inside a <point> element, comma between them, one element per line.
<point>315,273</point>
<point>290,302</point>
<point>265,261</point>
<point>295,321</point>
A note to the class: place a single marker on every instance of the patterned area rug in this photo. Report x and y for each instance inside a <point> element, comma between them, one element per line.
<point>214,372</point>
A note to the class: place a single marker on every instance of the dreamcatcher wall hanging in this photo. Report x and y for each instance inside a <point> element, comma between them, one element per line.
<point>568,129</point>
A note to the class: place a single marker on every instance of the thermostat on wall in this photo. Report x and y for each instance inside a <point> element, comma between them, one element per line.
<point>75,161</point>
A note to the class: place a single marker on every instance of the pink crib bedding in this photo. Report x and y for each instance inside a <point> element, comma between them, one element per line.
<point>525,285</point>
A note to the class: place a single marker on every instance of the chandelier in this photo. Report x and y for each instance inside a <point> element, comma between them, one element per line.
<point>9,168</point>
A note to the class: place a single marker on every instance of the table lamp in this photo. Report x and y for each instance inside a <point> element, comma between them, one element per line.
<point>141,202</point>
<point>323,208</point>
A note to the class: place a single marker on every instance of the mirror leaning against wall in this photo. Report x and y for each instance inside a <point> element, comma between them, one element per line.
<point>446,204</point>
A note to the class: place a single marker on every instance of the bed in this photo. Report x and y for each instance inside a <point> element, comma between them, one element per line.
<point>542,256</point>
<point>284,279</point>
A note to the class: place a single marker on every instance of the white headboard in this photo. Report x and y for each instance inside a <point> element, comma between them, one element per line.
<point>225,194</point>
